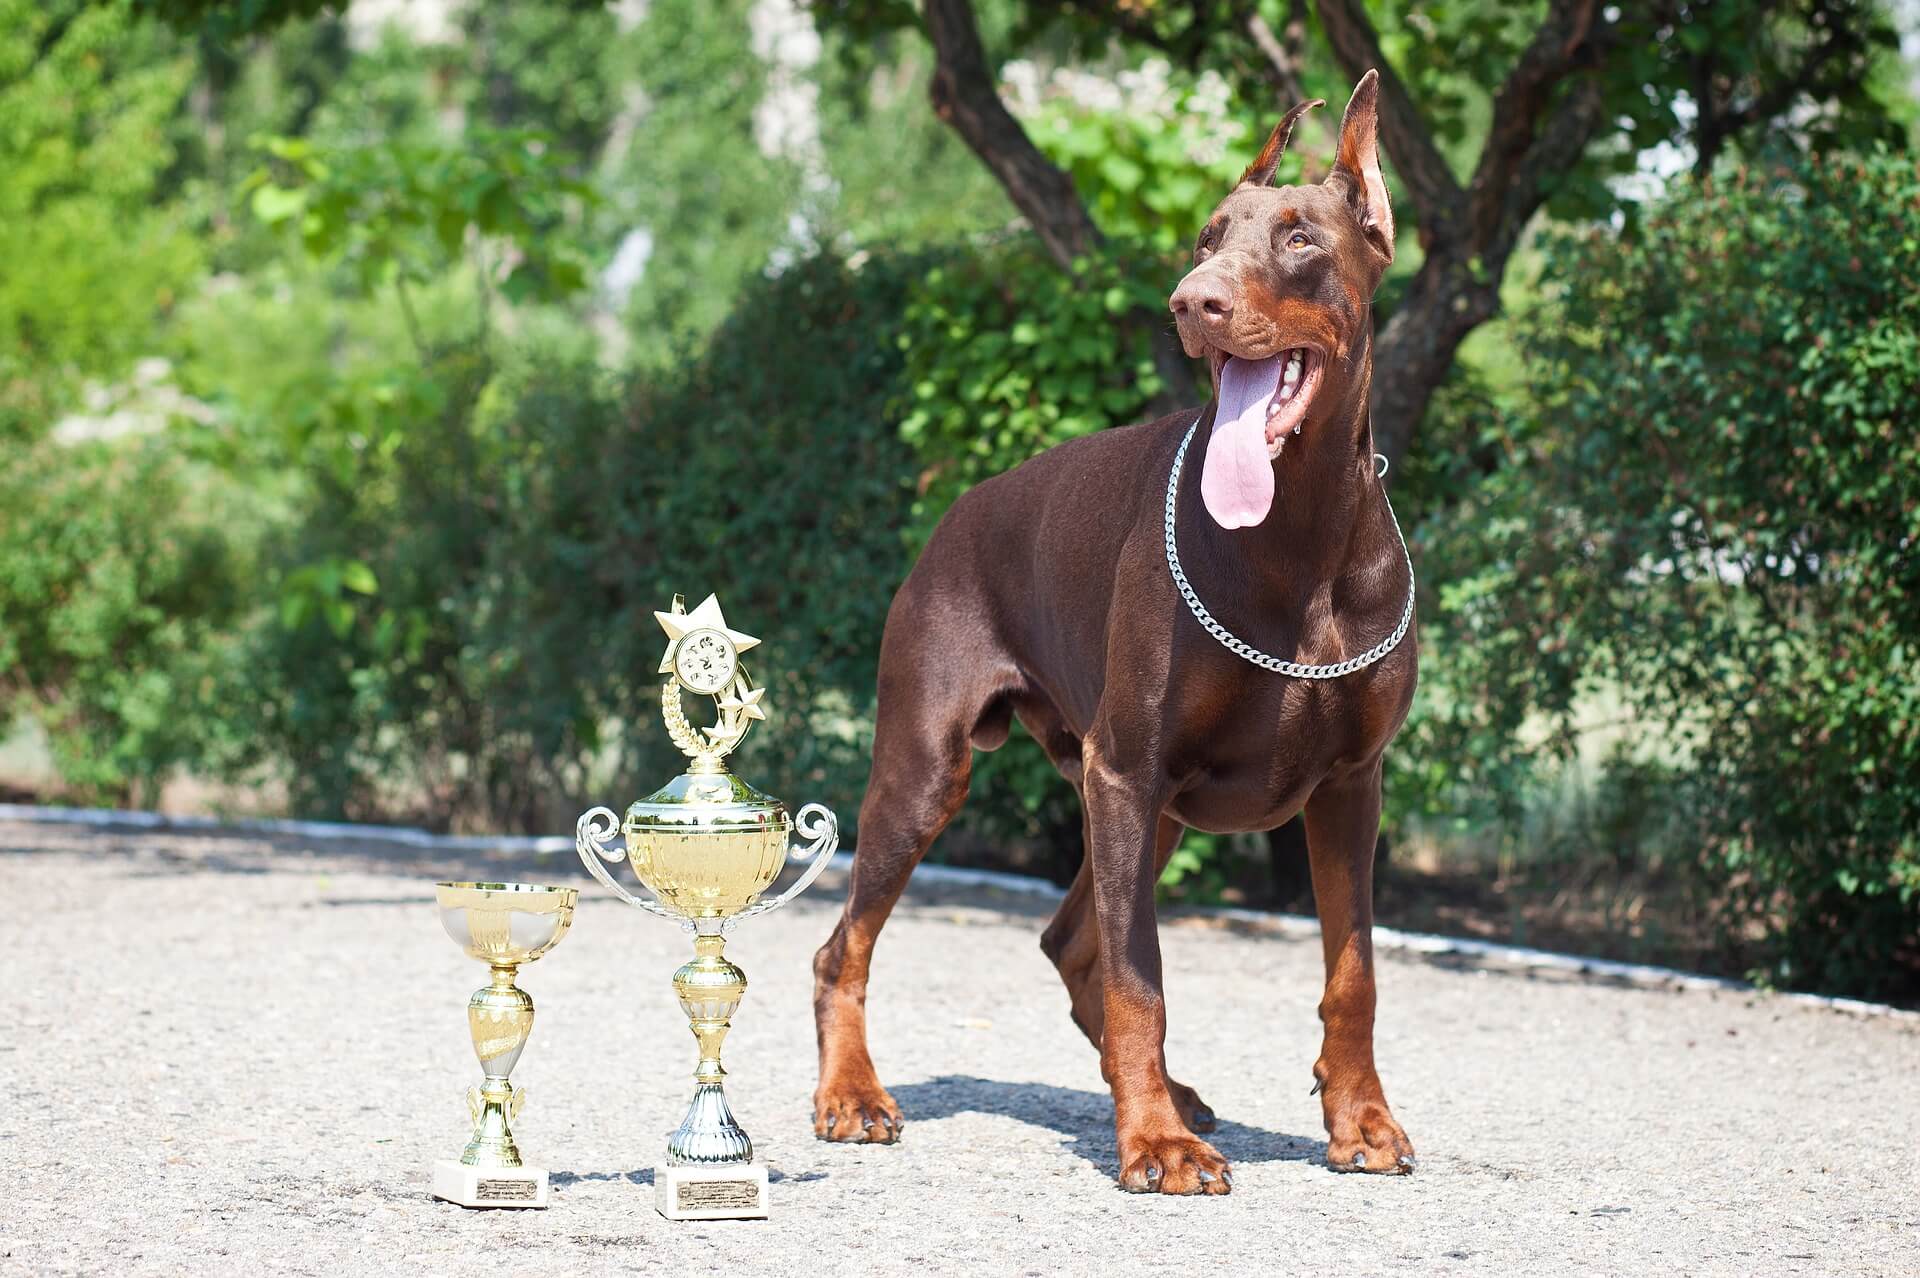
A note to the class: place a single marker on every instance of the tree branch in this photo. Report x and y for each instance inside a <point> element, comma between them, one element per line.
<point>1286,71</point>
<point>1774,101</point>
<point>965,97</point>
<point>1556,151</point>
<point>1131,23</point>
<point>1429,184</point>
<point>1557,48</point>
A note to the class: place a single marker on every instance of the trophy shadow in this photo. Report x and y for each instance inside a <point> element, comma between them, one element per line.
<point>1085,1119</point>
<point>638,1176</point>
<point>644,1176</point>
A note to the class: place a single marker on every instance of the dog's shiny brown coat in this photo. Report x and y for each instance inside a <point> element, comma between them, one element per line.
<point>1045,594</point>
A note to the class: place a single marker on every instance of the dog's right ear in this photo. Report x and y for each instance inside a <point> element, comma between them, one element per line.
<point>1260,172</point>
<point>1357,167</point>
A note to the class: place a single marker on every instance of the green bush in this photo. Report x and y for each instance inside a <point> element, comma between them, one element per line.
<point>1715,518</point>
<point>94,259</point>
<point>466,630</point>
<point>123,574</point>
<point>1006,356</point>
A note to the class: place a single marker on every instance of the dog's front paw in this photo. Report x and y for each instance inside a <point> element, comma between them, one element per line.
<point>1363,1137</point>
<point>1172,1163</point>
<point>852,1112</point>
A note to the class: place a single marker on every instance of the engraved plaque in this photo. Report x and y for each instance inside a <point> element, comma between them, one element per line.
<point>505,1191</point>
<point>717,1195</point>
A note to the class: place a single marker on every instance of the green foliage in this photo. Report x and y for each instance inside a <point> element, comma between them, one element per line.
<point>1150,153</point>
<point>400,214</point>
<point>466,626</point>
<point>713,208</point>
<point>905,181</point>
<point>92,263</point>
<point>119,588</point>
<point>1714,516</point>
<point>1006,356</point>
<point>1760,59</point>
<point>230,19</point>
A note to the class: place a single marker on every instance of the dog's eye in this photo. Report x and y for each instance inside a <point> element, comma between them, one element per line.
<point>1204,248</point>
<point>1298,240</point>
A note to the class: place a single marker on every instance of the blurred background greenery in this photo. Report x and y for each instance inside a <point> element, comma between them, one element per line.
<point>369,373</point>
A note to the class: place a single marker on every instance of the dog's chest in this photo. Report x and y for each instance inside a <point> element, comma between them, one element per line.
<point>1252,764</point>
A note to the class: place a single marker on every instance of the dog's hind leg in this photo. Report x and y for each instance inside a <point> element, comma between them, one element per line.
<point>932,710</point>
<point>1072,941</point>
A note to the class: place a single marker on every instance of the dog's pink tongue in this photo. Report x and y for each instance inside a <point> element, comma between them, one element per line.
<point>1237,480</point>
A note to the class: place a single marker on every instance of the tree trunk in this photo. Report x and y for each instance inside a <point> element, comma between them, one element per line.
<point>1414,352</point>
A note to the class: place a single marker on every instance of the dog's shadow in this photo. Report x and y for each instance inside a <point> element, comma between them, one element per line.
<point>1084,1118</point>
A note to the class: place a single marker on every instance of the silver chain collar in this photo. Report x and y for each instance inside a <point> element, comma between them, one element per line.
<point>1239,647</point>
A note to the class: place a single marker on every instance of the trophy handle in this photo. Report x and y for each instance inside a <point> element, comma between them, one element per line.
<point>817,825</point>
<point>600,823</point>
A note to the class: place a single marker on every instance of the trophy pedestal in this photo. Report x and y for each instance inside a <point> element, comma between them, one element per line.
<point>724,1191</point>
<point>490,1186</point>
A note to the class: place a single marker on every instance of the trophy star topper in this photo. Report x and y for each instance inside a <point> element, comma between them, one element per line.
<point>703,655</point>
<point>680,624</point>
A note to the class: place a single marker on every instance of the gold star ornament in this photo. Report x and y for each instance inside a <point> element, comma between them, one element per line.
<point>703,652</point>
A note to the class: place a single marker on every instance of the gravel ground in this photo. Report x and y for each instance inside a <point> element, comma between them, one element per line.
<point>241,1054</point>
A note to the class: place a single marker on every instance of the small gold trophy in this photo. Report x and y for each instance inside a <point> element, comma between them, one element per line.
<point>503,925</point>
<point>706,845</point>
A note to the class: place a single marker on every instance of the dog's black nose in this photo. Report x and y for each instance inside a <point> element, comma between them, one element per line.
<point>1209,296</point>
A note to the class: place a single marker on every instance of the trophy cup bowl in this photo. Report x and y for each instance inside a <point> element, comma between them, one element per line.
<point>707,846</point>
<point>503,925</point>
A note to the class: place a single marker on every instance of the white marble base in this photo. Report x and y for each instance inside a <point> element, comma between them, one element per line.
<point>456,1182</point>
<point>735,1191</point>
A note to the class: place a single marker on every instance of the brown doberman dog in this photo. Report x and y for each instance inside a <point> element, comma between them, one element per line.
<point>1049,593</point>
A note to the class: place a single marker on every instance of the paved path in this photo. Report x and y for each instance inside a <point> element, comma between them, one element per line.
<point>240,1054</point>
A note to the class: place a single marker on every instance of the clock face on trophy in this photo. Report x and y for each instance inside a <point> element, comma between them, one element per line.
<point>705,661</point>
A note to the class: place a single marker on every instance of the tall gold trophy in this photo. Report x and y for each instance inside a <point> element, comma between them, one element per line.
<point>503,925</point>
<point>706,845</point>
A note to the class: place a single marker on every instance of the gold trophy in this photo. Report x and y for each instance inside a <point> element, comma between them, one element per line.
<point>503,925</point>
<point>706,845</point>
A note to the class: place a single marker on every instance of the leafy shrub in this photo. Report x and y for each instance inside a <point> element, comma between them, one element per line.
<point>1006,356</point>
<point>93,259</point>
<point>122,576</point>
<point>466,623</point>
<point>1715,516</point>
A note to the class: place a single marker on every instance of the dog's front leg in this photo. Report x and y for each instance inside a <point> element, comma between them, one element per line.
<point>1343,823</point>
<point>1157,1152</point>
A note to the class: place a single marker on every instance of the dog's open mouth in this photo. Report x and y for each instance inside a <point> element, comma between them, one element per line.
<point>1260,402</point>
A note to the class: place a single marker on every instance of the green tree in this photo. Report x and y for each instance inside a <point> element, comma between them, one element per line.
<point>1488,113</point>
<point>93,263</point>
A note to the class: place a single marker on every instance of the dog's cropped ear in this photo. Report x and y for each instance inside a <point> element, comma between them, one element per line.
<point>1260,172</point>
<point>1358,165</point>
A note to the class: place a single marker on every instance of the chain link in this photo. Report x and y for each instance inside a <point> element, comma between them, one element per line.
<point>1239,647</point>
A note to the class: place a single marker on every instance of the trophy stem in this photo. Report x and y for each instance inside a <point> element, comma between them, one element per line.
<point>710,988</point>
<point>499,1018</point>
